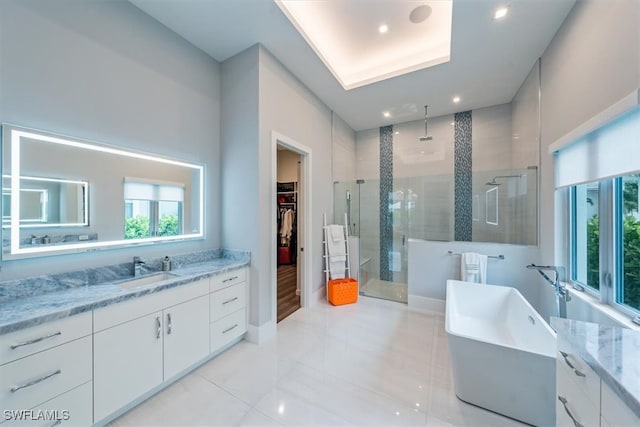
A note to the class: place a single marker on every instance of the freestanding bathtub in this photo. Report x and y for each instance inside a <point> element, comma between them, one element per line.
<point>502,352</point>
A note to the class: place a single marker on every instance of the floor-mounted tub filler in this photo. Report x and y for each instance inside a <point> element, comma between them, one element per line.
<point>502,352</point>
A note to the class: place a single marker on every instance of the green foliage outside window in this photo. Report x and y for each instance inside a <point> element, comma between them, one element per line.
<point>168,225</point>
<point>631,247</point>
<point>136,227</point>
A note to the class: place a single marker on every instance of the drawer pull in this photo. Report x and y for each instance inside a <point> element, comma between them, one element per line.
<point>158,328</point>
<point>564,402</point>
<point>570,365</point>
<point>33,341</point>
<point>230,300</point>
<point>168,323</point>
<point>229,279</point>
<point>230,329</point>
<point>34,382</point>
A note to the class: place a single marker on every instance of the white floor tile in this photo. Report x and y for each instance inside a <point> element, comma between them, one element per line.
<point>373,363</point>
<point>192,401</point>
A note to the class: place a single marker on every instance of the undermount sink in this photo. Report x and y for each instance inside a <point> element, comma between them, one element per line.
<point>147,280</point>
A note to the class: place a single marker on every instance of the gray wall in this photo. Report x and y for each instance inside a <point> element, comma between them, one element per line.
<point>105,71</point>
<point>592,62</point>
<point>249,79</point>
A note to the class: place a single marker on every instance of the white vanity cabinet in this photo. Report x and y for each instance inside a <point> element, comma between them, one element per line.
<point>577,392</point>
<point>228,308</point>
<point>186,335</point>
<point>44,366</point>
<point>141,343</point>
<point>583,398</point>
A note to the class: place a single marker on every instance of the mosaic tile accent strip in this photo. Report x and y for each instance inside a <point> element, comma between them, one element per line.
<point>386,192</point>
<point>462,172</point>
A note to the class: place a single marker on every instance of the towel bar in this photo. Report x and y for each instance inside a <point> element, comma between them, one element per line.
<point>488,256</point>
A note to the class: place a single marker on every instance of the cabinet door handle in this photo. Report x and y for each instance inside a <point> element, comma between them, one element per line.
<point>35,340</point>
<point>34,382</point>
<point>564,402</point>
<point>570,365</point>
<point>168,323</point>
<point>229,279</point>
<point>230,300</point>
<point>158,327</point>
<point>230,329</point>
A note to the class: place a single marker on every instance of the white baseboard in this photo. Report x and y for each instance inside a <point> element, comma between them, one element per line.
<point>262,333</point>
<point>425,304</point>
<point>319,295</point>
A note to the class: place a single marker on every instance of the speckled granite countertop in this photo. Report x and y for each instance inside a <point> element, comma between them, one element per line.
<point>35,300</point>
<point>612,352</point>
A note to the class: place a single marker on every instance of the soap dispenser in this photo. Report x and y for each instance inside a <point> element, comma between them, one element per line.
<point>166,264</point>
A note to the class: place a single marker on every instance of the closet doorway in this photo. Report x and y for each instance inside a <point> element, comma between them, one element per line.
<point>287,231</point>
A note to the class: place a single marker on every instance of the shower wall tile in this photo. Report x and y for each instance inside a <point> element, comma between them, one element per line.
<point>462,170</point>
<point>491,130</point>
<point>386,193</point>
<point>368,154</point>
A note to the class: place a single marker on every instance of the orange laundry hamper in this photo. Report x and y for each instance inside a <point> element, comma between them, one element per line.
<point>342,291</point>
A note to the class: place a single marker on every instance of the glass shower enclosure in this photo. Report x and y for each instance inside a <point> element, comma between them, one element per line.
<point>504,210</point>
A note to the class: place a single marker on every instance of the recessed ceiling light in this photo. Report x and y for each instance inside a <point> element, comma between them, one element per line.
<point>420,14</point>
<point>453,123</point>
<point>386,114</point>
<point>501,12</point>
<point>397,132</point>
<point>456,99</point>
<point>383,28</point>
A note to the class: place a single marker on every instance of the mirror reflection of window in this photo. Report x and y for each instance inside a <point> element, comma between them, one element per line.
<point>152,209</point>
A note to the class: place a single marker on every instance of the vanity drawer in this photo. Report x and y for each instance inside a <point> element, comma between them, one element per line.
<point>228,300</point>
<point>40,377</point>
<point>572,402</point>
<point>228,279</point>
<point>25,342</point>
<point>225,330</point>
<point>579,372</point>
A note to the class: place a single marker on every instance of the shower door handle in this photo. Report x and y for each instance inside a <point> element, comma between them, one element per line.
<point>404,239</point>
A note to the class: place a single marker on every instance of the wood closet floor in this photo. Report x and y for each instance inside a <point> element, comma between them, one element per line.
<point>288,301</point>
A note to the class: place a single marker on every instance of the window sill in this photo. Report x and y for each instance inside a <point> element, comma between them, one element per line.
<point>604,309</point>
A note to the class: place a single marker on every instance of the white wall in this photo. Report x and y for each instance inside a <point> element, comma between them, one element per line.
<point>344,150</point>
<point>105,71</point>
<point>430,266</point>
<point>290,109</point>
<point>260,97</point>
<point>592,62</point>
<point>240,174</point>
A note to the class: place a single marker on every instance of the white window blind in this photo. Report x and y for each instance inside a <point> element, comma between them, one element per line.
<point>140,190</point>
<point>610,151</point>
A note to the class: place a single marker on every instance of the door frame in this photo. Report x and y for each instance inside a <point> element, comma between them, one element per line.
<point>304,219</point>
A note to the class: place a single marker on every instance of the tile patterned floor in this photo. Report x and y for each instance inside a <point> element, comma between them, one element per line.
<point>374,363</point>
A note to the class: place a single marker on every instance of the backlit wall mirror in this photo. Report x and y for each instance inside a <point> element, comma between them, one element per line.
<point>62,194</point>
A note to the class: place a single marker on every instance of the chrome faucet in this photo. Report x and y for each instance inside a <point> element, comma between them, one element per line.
<point>137,266</point>
<point>560,289</point>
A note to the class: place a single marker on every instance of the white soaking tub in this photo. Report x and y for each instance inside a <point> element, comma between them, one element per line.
<point>502,352</point>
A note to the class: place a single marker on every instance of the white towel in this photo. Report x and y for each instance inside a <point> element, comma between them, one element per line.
<point>336,251</point>
<point>473,267</point>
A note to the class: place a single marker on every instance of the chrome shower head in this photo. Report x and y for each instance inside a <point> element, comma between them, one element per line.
<point>426,136</point>
<point>493,183</point>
